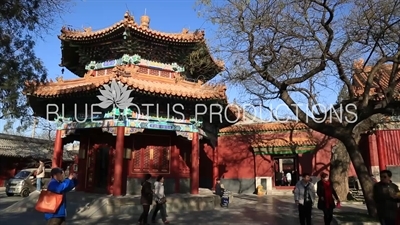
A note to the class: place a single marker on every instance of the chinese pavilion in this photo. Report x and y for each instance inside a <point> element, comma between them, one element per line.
<point>164,75</point>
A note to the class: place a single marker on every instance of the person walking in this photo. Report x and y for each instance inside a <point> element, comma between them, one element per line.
<point>326,198</point>
<point>39,176</point>
<point>289,178</point>
<point>146,199</point>
<point>62,186</point>
<point>160,200</point>
<point>386,199</point>
<point>304,196</point>
<point>283,180</point>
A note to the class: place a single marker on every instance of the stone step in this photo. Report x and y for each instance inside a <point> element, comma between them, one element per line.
<point>110,205</point>
<point>82,204</point>
<point>77,201</point>
<point>280,192</point>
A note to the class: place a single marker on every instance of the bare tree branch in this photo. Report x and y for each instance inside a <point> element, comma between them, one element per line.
<point>286,49</point>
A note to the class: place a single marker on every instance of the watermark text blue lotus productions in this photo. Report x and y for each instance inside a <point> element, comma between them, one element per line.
<point>214,113</point>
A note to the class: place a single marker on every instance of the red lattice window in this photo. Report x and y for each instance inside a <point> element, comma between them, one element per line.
<point>156,159</point>
<point>154,72</point>
<point>165,74</point>
<point>143,70</point>
<point>146,159</point>
<point>100,73</point>
<point>151,158</point>
<point>137,161</point>
<point>165,160</point>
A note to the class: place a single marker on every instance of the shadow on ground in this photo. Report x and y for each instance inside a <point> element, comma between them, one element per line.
<point>8,201</point>
<point>270,210</point>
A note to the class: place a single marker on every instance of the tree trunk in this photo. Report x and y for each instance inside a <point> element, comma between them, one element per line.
<point>340,162</point>
<point>362,173</point>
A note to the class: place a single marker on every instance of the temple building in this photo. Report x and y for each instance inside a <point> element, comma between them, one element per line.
<point>381,143</point>
<point>142,103</point>
<point>134,107</point>
<point>263,153</point>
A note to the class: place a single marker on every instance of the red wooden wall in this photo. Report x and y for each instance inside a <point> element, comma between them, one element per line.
<point>389,142</point>
<point>381,145</point>
<point>238,161</point>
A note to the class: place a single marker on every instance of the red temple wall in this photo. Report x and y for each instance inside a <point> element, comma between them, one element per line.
<point>241,168</point>
<point>389,141</point>
<point>380,147</point>
<point>155,152</point>
<point>238,165</point>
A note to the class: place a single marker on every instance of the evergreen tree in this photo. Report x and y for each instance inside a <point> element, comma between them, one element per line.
<point>21,24</point>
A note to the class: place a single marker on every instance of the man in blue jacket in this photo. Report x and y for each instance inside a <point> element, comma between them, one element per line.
<point>61,186</point>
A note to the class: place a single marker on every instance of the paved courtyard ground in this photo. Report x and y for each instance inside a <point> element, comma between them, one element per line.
<point>271,210</point>
<point>6,201</point>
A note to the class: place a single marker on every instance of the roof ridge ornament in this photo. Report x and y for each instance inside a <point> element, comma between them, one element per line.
<point>358,64</point>
<point>87,29</point>
<point>128,17</point>
<point>145,21</point>
<point>185,31</point>
<point>59,79</point>
<point>178,78</point>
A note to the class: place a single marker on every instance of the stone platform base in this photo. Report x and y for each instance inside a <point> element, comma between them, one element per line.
<point>87,205</point>
<point>110,205</point>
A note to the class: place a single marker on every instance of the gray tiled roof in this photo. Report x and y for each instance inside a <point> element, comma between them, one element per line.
<point>19,146</point>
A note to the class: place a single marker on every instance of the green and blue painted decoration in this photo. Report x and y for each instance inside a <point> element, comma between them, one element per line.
<point>136,60</point>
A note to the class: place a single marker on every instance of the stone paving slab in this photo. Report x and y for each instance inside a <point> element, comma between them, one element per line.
<point>270,210</point>
<point>353,209</point>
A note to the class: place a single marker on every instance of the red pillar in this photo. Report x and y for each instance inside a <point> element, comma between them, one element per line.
<point>381,151</point>
<point>57,151</point>
<point>175,166</point>
<point>119,161</point>
<point>194,172</point>
<point>82,159</point>
<point>215,165</point>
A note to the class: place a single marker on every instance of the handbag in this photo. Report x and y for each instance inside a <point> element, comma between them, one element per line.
<point>162,200</point>
<point>48,202</point>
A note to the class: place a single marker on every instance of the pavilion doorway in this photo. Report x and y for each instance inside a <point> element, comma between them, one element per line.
<point>100,169</point>
<point>285,170</point>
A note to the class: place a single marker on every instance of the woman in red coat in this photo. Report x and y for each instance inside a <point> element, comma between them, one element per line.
<point>326,197</point>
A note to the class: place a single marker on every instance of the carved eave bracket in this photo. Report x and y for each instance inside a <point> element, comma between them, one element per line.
<point>187,135</point>
<point>178,78</point>
<point>89,74</point>
<point>125,70</point>
<point>199,82</point>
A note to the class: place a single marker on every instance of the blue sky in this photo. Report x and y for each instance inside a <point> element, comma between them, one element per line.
<point>165,15</point>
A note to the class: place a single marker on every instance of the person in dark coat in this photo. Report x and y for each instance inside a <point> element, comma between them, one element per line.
<point>278,179</point>
<point>326,197</point>
<point>219,189</point>
<point>386,198</point>
<point>146,199</point>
